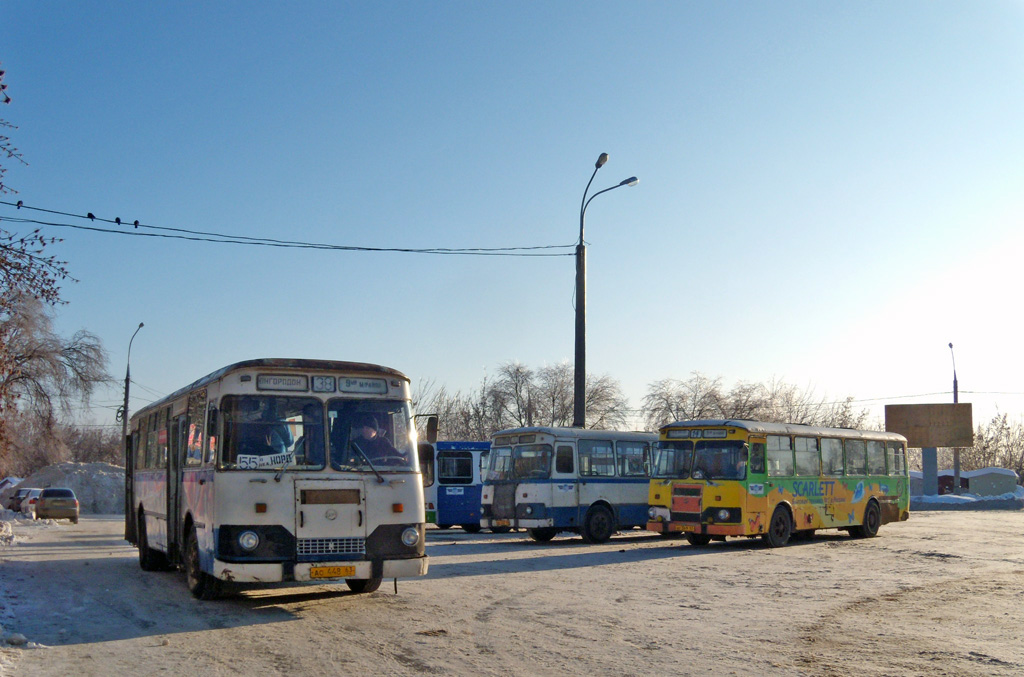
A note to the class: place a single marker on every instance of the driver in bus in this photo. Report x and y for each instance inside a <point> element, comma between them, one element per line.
<point>368,438</point>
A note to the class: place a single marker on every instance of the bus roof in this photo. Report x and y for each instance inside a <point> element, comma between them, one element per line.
<point>786,429</point>
<point>463,446</point>
<point>582,433</point>
<point>277,363</point>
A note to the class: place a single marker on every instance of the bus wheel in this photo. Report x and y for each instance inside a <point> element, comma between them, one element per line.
<point>471,528</point>
<point>598,526</point>
<point>444,526</point>
<point>363,584</point>
<point>543,535</point>
<point>201,584</point>
<point>872,520</point>
<point>779,529</point>
<point>698,539</point>
<point>500,530</point>
<point>149,559</point>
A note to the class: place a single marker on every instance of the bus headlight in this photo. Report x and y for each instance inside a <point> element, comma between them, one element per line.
<point>410,537</point>
<point>249,540</point>
<point>529,510</point>
<point>723,515</point>
<point>652,513</point>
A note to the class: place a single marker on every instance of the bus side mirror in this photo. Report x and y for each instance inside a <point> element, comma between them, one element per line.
<point>432,429</point>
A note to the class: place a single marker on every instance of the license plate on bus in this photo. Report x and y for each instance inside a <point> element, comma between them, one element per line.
<point>502,523</point>
<point>332,572</point>
<point>685,527</point>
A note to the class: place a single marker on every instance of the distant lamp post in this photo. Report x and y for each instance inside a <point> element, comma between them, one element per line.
<point>579,397</point>
<point>129,527</point>
<point>955,395</point>
<point>956,451</point>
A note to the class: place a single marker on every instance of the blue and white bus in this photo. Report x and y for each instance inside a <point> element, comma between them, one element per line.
<point>279,470</point>
<point>548,480</point>
<point>452,477</point>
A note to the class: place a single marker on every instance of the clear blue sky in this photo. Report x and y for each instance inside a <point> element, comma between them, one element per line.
<point>829,193</point>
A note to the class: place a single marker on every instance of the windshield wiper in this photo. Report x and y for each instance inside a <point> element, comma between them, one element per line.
<point>280,473</point>
<point>352,443</point>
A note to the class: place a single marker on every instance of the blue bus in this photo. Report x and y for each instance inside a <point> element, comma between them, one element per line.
<point>548,480</point>
<point>452,474</point>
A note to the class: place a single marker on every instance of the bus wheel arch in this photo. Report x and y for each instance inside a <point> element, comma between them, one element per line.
<point>780,528</point>
<point>201,584</point>
<point>872,521</point>
<point>598,524</point>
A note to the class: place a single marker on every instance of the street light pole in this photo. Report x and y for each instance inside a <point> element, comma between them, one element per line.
<point>956,451</point>
<point>579,399</point>
<point>955,394</point>
<point>129,532</point>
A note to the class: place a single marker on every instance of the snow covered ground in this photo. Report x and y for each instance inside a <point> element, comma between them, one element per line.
<point>1010,501</point>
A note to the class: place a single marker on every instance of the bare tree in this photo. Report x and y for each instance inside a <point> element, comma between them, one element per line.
<point>670,400</point>
<point>43,374</point>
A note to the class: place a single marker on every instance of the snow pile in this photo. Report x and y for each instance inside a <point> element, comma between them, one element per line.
<point>1009,501</point>
<point>98,486</point>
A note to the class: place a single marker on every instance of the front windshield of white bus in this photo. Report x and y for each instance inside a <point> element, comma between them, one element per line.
<point>526,461</point>
<point>672,459</point>
<point>271,432</point>
<point>371,435</point>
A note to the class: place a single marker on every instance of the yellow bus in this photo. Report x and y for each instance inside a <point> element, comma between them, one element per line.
<point>717,478</point>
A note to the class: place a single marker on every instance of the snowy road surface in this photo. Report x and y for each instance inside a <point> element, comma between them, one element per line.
<point>942,594</point>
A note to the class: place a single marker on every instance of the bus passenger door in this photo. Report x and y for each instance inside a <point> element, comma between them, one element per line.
<point>755,512</point>
<point>175,462</point>
<point>565,487</point>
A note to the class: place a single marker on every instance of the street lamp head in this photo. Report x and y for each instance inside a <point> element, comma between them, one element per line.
<point>601,160</point>
<point>141,325</point>
<point>631,181</point>
<point>951,346</point>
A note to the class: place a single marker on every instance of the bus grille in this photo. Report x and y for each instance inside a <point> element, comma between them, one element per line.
<point>332,546</point>
<point>691,517</point>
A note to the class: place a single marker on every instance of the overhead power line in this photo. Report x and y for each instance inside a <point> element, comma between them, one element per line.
<point>133,229</point>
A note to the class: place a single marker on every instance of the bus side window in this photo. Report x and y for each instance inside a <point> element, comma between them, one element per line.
<point>563,460</point>
<point>831,456</point>
<point>780,456</point>
<point>210,443</point>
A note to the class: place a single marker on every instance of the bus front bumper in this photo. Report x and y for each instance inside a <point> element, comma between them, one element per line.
<point>693,528</point>
<point>317,571</point>
<point>521,523</point>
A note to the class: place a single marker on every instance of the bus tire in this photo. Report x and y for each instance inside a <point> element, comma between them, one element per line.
<point>872,520</point>
<point>444,526</point>
<point>201,584</point>
<point>361,585</point>
<point>779,529</point>
<point>149,559</point>
<point>471,528</point>
<point>698,539</point>
<point>598,525</point>
<point>543,534</point>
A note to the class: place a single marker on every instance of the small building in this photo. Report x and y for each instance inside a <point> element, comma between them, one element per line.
<point>984,482</point>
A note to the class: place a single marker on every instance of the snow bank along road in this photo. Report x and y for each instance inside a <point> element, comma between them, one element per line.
<point>941,594</point>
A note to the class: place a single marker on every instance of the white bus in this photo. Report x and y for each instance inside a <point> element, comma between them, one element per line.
<point>547,480</point>
<point>279,470</point>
